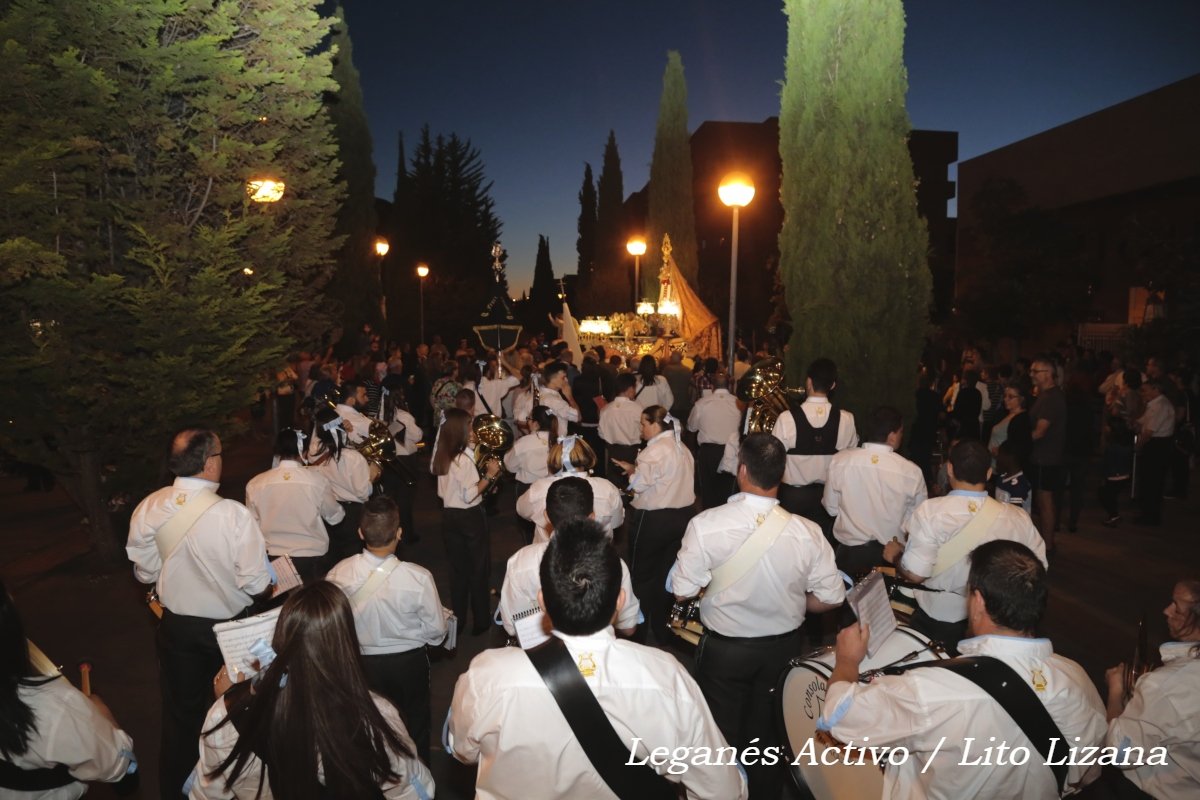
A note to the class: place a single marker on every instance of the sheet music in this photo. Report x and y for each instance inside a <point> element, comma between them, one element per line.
<point>531,627</point>
<point>451,629</point>
<point>236,636</point>
<point>285,571</point>
<point>871,605</point>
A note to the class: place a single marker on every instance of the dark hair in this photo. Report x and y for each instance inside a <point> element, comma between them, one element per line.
<point>1007,462</point>
<point>380,519</point>
<point>567,500</point>
<point>823,374</point>
<point>325,719</point>
<point>349,389</point>
<point>581,578</point>
<point>883,422</point>
<point>647,369</point>
<point>1132,378</point>
<point>190,450</point>
<point>18,720</point>
<point>465,399</point>
<point>971,461</point>
<point>331,444</point>
<point>658,416</point>
<point>625,382</point>
<point>743,354</point>
<point>1012,582</point>
<point>765,459</point>
<point>1024,389</point>
<point>545,420</point>
<point>289,443</point>
<point>452,440</point>
<point>552,369</point>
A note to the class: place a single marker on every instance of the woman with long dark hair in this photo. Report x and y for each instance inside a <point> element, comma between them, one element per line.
<point>52,738</point>
<point>652,388</point>
<point>348,473</point>
<point>464,522</point>
<point>308,727</point>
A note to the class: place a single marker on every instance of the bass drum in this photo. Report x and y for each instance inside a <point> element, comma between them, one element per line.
<point>801,696</point>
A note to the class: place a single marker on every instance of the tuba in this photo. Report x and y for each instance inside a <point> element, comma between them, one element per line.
<point>762,389</point>
<point>492,440</point>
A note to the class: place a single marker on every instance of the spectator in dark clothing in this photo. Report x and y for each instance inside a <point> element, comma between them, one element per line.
<point>586,388</point>
<point>922,437</point>
<point>968,406</point>
<point>1079,447</point>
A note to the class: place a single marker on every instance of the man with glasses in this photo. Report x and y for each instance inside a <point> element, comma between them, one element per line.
<point>1047,471</point>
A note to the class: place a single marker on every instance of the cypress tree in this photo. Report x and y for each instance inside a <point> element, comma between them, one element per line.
<point>585,245</point>
<point>611,286</point>
<point>671,208</point>
<point>853,251</point>
<point>543,293</point>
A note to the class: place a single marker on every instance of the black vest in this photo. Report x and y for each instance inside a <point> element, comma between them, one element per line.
<point>812,441</point>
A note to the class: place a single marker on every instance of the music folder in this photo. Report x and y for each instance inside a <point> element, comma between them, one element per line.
<point>869,601</point>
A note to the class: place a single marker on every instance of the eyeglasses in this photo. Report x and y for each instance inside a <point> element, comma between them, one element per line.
<point>214,455</point>
<point>1036,371</point>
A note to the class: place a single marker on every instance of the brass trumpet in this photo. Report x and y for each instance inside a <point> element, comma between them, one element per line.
<point>762,389</point>
<point>493,439</point>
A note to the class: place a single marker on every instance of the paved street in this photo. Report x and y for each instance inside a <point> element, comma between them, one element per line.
<point>1102,580</point>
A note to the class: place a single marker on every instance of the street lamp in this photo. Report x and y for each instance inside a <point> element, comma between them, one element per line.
<point>736,191</point>
<point>637,248</point>
<point>381,246</point>
<point>264,190</point>
<point>422,274</point>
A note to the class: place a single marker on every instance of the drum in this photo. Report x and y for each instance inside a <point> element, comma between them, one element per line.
<point>801,701</point>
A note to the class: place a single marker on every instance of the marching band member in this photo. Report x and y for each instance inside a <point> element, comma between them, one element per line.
<point>492,387</point>
<point>555,394</point>
<point>872,492</point>
<point>621,427</point>
<point>652,388</point>
<point>464,523</point>
<point>214,566</point>
<point>715,418</point>
<point>752,619</point>
<point>522,399</point>
<point>353,403</point>
<point>407,434</point>
<point>567,500</point>
<point>1164,710</point>
<point>571,457</point>
<point>397,613</point>
<point>292,505</point>
<point>527,458</point>
<point>663,483</point>
<point>348,473</point>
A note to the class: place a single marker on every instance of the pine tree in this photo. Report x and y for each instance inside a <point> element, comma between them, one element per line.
<point>356,283</point>
<point>141,288</point>
<point>852,248</point>
<point>613,279</point>
<point>585,245</point>
<point>671,210</point>
<point>543,293</point>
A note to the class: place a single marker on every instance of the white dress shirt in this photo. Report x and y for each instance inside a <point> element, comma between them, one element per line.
<point>492,391</point>
<point>934,523</point>
<point>1164,712</point>
<point>729,459</point>
<point>654,394</point>
<point>665,475</point>
<point>404,613</point>
<point>564,412</point>
<point>916,709</point>
<point>522,404</point>
<point>873,492</point>
<point>528,457</point>
<point>215,569</point>
<point>412,432</point>
<point>715,417</point>
<point>803,470</point>
<point>621,422</point>
<point>360,424</point>
<point>1158,421</point>
<point>505,719</point>
<point>70,731</point>
<point>458,487</point>
<point>606,504</point>
<point>217,742</point>
<point>349,475</point>
<point>292,503</point>
<point>770,598</point>
<point>523,581</point>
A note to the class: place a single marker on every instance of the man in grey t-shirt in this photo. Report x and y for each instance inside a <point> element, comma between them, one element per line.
<point>1047,473</point>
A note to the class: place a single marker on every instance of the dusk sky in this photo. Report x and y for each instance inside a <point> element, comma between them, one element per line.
<point>537,84</point>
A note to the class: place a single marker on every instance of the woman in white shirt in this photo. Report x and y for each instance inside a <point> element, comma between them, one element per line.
<point>652,388</point>
<point>308,726</point>
<point>573,457</point>
<point>349,474</point>
<point>663,484</point>
<point>464,521</point>
<point>527,458</point>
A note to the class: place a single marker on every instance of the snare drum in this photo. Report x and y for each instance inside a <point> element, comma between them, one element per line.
<point>801,698</point>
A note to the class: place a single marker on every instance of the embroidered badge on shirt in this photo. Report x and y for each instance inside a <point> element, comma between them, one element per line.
<point>874,459</point>
<point>587,665</point>
<point>972,506</point>
<point>287,476</point>
<point>1039,680</point>
<point>758,520</point>
<point>180,499</point>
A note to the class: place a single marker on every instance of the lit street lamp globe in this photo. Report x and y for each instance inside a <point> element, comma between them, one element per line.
<point>736,190</point>
<point>422,270</point>
<point>636,247</point>
<point>264,190</point>
<point>381,246</point>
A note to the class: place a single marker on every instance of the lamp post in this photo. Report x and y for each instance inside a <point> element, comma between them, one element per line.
<point>736,191</point>
<point>637,248</point>
<point>422,274</point>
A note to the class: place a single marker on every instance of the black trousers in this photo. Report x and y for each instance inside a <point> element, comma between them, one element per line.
<point>1152,463</point>
<point>859,559</point>
<point>621,452</point>
<point>343,537</point>
<point>654,540</point>
<point>526,527</point>
<point>1110,495</point>
<point>591,435</point>
<point>403,678</point>
<point>806,501</point>
<point>465,533</point>
<point>310,568</point>
<point>188,660</point>
<point>948,633</point>
<point>738,678</point>
<point>715,487</point>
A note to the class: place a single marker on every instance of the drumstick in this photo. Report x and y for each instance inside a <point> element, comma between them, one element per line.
<point>85,678</point>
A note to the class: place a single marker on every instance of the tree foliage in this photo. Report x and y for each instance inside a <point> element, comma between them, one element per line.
<point>139,288</point>
<point>672,210</point>
<point>585,245</point>
<point>853,250</point>
<point>543,293</point>
<point>610,290</point>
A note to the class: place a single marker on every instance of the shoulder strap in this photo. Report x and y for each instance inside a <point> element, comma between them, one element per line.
<point>479,394</point>
<point>967,539</point>
<point>171,535</point>
<point>750,552</point>
<point>376,579</point>
<point>592,728</point>
<point>37,779</point>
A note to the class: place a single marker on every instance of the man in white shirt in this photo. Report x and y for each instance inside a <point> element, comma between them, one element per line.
<point>354,401</point>
<point>872,492</point>
<point>213,574</point>
<point>621,428</point>
<point>812,433</point>
<point>753,624</point>
<point>714,419</point>
<point>505,718</point>
<point>1164,709</point>
<point>938,524</point>
<point>945,720</point>
<point>1156,431</point>
<point>292,504</point>
<point>397,613</point>
<point>556,395</point>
